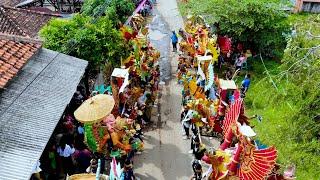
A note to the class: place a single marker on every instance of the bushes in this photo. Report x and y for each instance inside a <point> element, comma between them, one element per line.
<point>291,114</point>
<point>116,10</point>
<point>91,35</point>
<point>97,42</point>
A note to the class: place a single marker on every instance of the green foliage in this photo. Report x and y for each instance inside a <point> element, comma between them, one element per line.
<point>96,42</point>
<point>292,113</point>
<point>260,24</point>
<point>124,9</point>
<point>89,138</point>
<point>116,10</point>
<point>92,7</point>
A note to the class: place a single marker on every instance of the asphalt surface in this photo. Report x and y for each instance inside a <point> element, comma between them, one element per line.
<point>166,153</point>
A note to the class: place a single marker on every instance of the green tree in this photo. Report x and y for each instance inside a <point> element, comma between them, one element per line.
<point>292,111</point>
<point>97,42</point>
<point>116,10</point>
<point>259,24</point>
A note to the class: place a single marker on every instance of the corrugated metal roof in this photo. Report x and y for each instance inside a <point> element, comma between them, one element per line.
<point>31,107</point>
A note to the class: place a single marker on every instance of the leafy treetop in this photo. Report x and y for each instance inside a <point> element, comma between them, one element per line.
<point>259,24</point>
<point>97,42</point>
<point>116,10</point>
<point>292,113</point>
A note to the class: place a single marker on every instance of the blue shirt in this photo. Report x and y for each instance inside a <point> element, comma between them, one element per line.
<point>127,175</point>
<point>246,83</point>
<point>80,130</point>
<point>212,94</point>
<point>174,38</point>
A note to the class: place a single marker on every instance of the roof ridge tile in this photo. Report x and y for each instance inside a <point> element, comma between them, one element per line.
<point>19,39</point>
<point>32,11</point>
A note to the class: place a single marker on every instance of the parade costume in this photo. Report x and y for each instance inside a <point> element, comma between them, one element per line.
<point>218,108</point>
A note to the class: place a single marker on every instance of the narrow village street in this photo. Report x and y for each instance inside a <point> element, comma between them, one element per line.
<point>166,154</point>
<point>159,90</point>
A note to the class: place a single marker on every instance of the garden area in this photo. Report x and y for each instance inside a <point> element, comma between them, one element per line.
<point>285,74</point>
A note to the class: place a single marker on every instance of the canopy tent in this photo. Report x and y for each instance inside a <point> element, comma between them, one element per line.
<point>121,73</point>
<point>247,130</point>
<point>118,72</point>
<point>227,84</point>
<point>204,58</point>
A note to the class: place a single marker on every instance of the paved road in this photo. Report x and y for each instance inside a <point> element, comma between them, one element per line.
<point>166,153</point>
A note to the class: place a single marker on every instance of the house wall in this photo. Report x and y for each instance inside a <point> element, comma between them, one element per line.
<point>307,6</point>
<point>313,7</point>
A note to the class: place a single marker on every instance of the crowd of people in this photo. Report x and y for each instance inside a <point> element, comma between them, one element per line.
<point>212,105</point>
<point>76,148</point>
<point>146,8</point>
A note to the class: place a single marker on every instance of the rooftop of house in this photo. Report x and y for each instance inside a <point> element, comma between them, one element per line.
<point>23,22</point>
<point>14,54</point>
<point>11,3</point>
<point>42,83</point>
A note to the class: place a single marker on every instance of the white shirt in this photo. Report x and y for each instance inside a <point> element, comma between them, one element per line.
<point>67,152</point>
<point>187,118</point>
<point>36,168</point>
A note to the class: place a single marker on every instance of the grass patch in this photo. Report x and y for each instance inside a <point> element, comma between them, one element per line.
<point>288,111</point>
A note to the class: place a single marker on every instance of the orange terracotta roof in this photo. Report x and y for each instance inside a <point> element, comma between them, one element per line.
<point>23,22</point>
<point>13,55</point>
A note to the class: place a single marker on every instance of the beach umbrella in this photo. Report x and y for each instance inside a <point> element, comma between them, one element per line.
<point>95,109</point>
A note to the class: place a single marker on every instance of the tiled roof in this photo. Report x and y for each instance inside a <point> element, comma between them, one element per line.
<point>41,9</point>
<point>13,55</point>
<point>11,3</point>
<point>23,22</point>
<point>9,26</point>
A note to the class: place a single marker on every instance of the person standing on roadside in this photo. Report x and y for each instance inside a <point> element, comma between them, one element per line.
<point>245,85</point>
<point>174,40</point>
<point>127,173</point>
<point>186,116</point>
<point>197,171</point>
